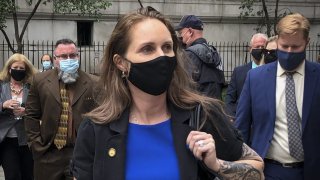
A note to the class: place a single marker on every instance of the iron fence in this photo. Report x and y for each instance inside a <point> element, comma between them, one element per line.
<point>232,53</point>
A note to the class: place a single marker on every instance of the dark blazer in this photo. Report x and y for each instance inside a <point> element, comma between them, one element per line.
<point>92,160</point>
<point>6,116</point>
<point>235,87</point>
<point>256,113</point>
<point>43,108</point>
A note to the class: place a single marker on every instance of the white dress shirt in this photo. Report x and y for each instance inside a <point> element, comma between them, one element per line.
<point>279,147</point>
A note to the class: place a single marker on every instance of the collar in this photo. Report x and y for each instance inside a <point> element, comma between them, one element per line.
<point>199,41</point>
<point>254,65</point>
<point>300,69</point>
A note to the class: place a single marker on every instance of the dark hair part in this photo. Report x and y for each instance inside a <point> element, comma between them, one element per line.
<point>51,59</point>
<point>64,41</point>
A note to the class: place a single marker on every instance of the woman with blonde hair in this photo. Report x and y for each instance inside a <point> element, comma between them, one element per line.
<point>15,155</point>
<point>141,128</point>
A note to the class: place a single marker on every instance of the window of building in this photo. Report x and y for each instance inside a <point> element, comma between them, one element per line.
<point>84,33</point>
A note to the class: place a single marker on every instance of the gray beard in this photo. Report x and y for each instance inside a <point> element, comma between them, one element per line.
<point>68,78</point>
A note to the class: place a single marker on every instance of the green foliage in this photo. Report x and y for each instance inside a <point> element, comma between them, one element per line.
<point>81,7</point>
<point>246,8</point>
<point>6,7</point>
<point>268,17</point>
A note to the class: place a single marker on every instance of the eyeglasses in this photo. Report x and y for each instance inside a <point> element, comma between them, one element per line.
<point>66,56</point>
<point>270,51</point>
<point>181,34</point>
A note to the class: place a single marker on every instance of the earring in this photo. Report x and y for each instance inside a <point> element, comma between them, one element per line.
<point>123,75</point>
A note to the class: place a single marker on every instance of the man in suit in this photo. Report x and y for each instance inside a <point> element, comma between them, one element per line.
<point>258,42</point>
<point>56,101</point>
<point>278,111</point>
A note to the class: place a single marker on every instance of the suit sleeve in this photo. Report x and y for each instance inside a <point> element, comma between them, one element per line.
<point>231,95</point>
<point>32,121</point>
<point>244,114</point>
<point>84,151</point>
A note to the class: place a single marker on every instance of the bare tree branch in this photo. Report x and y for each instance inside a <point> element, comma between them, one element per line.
<point>15,19</point>
<point>276,17</point>
<point>8,41</point>
<point>266,15</point>
<point>28,19</point>
<point>140,3</point>
<point>11,7</point>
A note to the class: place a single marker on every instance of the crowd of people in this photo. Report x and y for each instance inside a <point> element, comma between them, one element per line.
<point>156,109</point>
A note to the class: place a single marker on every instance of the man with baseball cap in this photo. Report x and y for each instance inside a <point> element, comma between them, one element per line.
<point>204,60</point>
<point>190,21</point>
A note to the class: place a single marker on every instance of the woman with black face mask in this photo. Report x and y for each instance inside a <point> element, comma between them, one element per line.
<point>270,53</point>
<point>15,155</point>
<point>141,128</point>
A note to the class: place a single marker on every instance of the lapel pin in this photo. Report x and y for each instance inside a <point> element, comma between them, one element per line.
<point>112,152</point>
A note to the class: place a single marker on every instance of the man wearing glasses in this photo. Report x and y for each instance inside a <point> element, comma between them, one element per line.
<point>56,101</point>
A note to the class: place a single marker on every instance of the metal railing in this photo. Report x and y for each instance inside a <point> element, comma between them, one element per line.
<point>232,53</point>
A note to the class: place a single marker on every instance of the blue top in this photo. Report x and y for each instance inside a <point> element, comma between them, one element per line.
<point>151,153</point>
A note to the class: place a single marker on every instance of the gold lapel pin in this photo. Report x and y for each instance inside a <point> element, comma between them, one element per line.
<point>112,152</point>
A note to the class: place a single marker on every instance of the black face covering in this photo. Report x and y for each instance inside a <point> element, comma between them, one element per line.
<point>257,54</point>
<point>154,76</point>
<point>18,75</point>
<point>270,56</point>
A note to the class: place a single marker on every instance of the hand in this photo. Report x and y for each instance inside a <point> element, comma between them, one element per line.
<point>203,147</point>
<point>19,111</point>
<point>10,104</point>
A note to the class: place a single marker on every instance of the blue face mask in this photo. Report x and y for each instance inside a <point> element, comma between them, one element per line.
<point>289,61</point>
<point>69,65</point>
<point>46,65</point>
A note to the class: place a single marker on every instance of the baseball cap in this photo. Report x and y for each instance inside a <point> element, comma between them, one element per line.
<point>190,21</point>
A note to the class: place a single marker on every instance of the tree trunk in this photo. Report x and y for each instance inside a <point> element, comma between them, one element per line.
<point>275,18</point>
<point>266,14</point>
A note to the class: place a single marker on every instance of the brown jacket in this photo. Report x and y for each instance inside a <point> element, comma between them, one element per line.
<point>43,108</point>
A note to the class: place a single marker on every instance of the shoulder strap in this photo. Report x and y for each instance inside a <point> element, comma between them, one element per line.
<point>212,59</point>
<point>195,117</point>
<point>195,123</point>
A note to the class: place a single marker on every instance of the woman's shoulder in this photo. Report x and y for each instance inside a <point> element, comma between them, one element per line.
<point>4,82</point>
<point>89,123</point>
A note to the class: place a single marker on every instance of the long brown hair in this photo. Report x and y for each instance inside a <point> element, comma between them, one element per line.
<point>116,95</point>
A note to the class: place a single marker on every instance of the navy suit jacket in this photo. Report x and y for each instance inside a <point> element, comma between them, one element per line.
<point>256,113</point>
<point>235,87</point>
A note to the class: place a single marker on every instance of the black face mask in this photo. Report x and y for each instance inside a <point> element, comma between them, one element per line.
<point>257,54</point>
<point>290,61</point>
<point>18,75</point>
<point>154,76</point>
<point>270,56</point>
